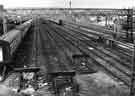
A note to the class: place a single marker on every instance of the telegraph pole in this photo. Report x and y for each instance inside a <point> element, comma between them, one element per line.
<point>4,22</point>
<point>1,20</point>
<point>130,24</point>
<point>70,4</point>
<point>70,11</point>
<point>129,28</point>
<point>131,34</point>
<point>132,85</point>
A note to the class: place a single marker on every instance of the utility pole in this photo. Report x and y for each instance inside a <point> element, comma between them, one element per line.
<point>70,4</point>
<point>4,22</point>
<point>70,11</point>
<point>132,85</point>
<point>130,25</point>
<point>1,20</point>
<point>129,28</point>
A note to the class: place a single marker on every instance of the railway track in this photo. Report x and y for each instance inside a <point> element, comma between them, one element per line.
<point>123,75</point>
<point>51,48</point>
<point>66,50</point>
<point>63,64</point>
<point>109,51</point>
<point>95,28</point>
<point>52,51</point>
<point>39,49</point>
<point>69,50</point>
<point>70,41</point>
<point>123,47</point>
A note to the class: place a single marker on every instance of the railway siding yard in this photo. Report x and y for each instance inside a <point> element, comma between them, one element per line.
<point>105,70</point>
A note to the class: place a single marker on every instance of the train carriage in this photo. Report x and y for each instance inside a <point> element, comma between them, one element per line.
<point>9,43</point>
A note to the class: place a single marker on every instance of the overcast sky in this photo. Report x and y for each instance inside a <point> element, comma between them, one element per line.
<point>65,3</point>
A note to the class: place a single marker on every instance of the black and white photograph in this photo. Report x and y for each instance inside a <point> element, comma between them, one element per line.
<point>67,47</point>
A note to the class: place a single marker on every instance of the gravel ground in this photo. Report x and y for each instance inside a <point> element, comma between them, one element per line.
<point>99,84</point>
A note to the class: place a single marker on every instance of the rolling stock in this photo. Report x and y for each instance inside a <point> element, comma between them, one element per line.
<point>9,43</point>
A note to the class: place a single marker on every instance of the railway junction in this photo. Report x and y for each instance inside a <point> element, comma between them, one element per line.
<point>48,52</point>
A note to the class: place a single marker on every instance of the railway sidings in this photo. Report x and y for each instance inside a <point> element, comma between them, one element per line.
<point>55,48</point>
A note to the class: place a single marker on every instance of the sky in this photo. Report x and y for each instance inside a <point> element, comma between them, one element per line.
<point>65,3</point>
